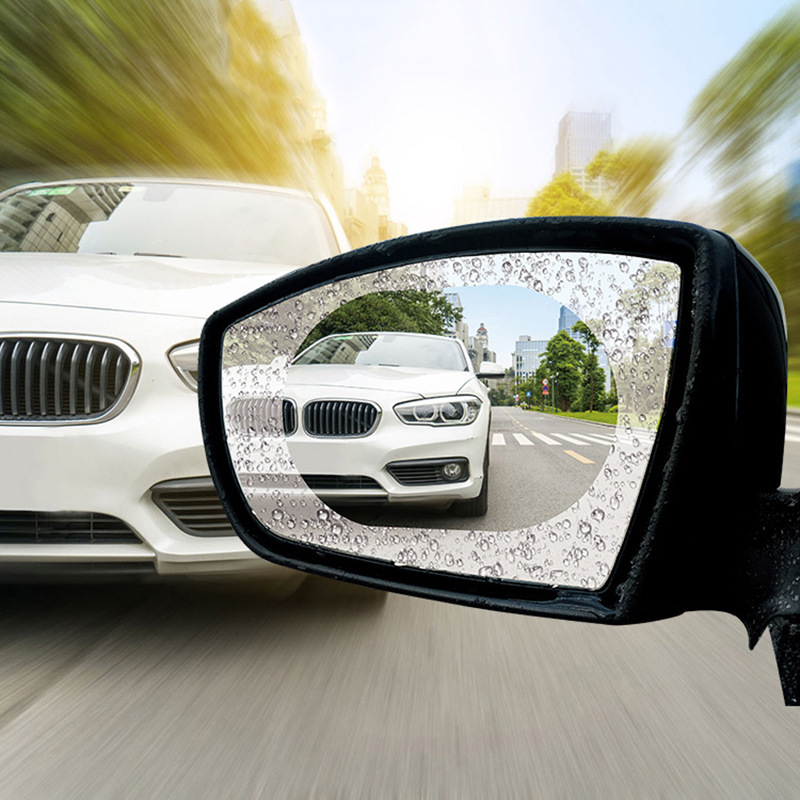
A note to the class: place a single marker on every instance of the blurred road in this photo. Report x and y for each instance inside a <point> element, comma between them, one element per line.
<point>219,691</point>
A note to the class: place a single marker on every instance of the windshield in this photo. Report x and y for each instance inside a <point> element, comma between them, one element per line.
<point>386,350</point>
<point>163,219</point>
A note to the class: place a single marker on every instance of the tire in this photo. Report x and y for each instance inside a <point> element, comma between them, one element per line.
<point>476,506</point>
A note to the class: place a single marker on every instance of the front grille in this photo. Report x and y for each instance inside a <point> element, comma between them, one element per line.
<point>259,415</point>
<point>425,472</point>
<point>56,380</point>
<point>321,482</point>
<point>63,527</point>
<point>194,506</point>
<point>339,418</point>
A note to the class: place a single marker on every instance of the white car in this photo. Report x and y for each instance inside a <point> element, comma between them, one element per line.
<point>389,417</point>
<point>106,285</point>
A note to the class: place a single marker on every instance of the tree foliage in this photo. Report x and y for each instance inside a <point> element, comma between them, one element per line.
<point>746,108</point>
<point>563,197</point>
<point>100,85</point>
<point>752,100</point>
<point>632,175</point>
<point>409,310</point>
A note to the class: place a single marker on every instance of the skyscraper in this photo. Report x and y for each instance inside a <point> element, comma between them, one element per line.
<point>581,134</point>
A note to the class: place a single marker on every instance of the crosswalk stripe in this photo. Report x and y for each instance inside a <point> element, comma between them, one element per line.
<point>591,439</point>
<point>542,438</point>
<point>571,439</point>
<point>498,439</point>
<point>524,440</point>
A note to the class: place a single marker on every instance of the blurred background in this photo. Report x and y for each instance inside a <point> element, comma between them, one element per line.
<point>412,115</point>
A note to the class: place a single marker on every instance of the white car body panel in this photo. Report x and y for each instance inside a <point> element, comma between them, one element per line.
<point>109,467</point>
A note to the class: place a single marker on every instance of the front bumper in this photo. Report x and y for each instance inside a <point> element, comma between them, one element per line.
<point>376,456</point>
<point>109,469</point>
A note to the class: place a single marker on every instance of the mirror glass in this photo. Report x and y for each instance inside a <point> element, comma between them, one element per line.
<point>426,414</point>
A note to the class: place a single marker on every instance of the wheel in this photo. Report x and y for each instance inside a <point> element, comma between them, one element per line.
<point>479,505</point>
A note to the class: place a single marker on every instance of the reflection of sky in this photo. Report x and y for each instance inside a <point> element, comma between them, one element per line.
<point>508,312</point>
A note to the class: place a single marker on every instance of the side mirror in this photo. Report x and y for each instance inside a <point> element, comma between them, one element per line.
<point>371,458</point>
<point>491,370</point>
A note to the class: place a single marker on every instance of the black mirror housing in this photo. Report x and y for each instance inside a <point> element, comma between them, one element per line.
<point>701,535</point>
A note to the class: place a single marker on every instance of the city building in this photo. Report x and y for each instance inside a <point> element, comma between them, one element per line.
<point>566,319</point>
<point>528,355</point>
<point>367,218</point>
<point>476,205</point>
<point>460,329</point>
<point>581,135</point>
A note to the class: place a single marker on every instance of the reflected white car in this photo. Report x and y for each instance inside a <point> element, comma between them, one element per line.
<point>106,285</point>
<point>389,417</point>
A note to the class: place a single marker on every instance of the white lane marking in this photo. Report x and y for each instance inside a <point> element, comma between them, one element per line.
<point>524,440</point>
<point>546,439</point>
<point>572,440</point>
<point>498,439</point>
<point>595,439</point>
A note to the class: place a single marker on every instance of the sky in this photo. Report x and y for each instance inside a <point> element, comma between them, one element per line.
<point>507,312</point>
<point>450,93</point>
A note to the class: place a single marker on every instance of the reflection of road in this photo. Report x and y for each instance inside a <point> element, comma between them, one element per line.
<point>540,464</point>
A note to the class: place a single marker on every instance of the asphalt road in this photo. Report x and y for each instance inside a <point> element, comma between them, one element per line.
<point>540,464</point>
<point>196,691</point>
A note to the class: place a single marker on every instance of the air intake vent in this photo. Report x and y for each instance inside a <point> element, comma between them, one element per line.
<point>60,380</point>
<point>63,527</point>
<point>194,506</point>
<point>341,418</point>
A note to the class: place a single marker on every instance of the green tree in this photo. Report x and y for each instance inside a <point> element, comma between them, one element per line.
<point>103,86</point>
<point>409,310</point>
<point>592,396</point>
<point>752,100</point>
<point>562,364</point>
<point>564,197</point>
<point>748,106</point>
<point>632,174</point>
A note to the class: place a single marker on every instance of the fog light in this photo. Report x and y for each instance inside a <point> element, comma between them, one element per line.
<point>453,471</point>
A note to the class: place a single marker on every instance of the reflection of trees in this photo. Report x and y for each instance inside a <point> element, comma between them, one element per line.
<point>405,310</point>
<point>641,366</point>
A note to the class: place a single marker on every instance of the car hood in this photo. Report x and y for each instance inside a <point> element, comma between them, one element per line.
<point>178,287</point>
<point>397,380</point>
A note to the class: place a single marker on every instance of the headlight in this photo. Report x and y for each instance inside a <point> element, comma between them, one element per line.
<point>440,411</point>
<point>184,361</point>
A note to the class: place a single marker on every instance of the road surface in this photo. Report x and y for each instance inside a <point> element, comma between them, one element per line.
<point>189,691</point>
<point>540,464</point>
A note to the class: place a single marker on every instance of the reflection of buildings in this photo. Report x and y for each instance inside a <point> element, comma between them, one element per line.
<point>479,348</point>
<point>581,135</point>
<point>367,215</point>
<point>476,205</point>
<point>460,329</point>
<point>54,219</point>
<point>566,319</point>
<point>343,351</point>
<point>528,355</point>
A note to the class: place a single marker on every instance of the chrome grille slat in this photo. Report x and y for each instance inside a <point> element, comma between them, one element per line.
<point>340,418</point>
<point>48,379</point>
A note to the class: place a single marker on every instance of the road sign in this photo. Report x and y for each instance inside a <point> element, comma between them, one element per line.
<point>528,394</point>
